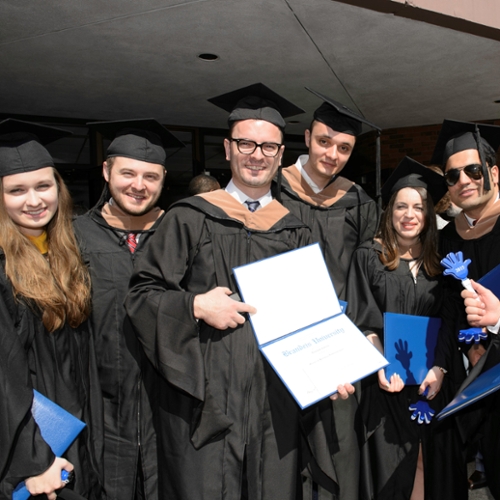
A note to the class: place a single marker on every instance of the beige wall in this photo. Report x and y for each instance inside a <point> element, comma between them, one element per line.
<point>477,17</point>
<point>485,12</point>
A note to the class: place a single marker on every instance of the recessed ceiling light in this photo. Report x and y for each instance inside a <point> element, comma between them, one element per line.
<point>208,57</point>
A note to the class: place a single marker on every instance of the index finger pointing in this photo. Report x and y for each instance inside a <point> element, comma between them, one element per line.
<point>242,307</point>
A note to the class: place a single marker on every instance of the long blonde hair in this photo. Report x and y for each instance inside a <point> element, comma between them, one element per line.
<point>59,285</point>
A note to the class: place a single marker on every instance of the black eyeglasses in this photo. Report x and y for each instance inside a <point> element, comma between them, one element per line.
<point>246,147</point>
<point>474,171</point>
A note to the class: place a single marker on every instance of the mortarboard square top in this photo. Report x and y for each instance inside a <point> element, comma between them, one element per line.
<point>456,136</point>
<point>21,146</point>
<point>143,140</point>
<point>411,173</point>
<point>339,117</point>
<point>256,102</point>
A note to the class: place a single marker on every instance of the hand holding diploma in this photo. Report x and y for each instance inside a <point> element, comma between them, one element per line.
<point>300,328</point>
<point>50,480</point>
<point>343,391</point>
<point>395,383</point>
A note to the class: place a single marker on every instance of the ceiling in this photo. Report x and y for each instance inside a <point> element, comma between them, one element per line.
<point>128,59</point>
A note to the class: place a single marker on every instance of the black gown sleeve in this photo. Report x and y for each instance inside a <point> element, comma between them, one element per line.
<point>161,310</point>
<point>362,307</point>
<point>367,220</point>
<point>447,348</point>
<point>23,452</point>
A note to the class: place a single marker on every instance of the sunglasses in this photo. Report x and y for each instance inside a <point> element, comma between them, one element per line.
<point>474,171</point>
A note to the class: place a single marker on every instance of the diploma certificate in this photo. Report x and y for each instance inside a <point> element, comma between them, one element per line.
<point>300,327</point>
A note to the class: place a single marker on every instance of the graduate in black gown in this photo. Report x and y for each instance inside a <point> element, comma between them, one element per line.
<point>229,429</point>
<point>341,217</point>
<point>44,302</point>
<point>467,154</point>
<point>112,236</point>
<point>399,272</point>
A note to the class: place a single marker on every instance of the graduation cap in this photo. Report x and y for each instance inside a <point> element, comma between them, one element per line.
<point>458,136</point>
<point>342,119</point>
<point>143,140</point>
<point>22,146</point>
<point>339,117</point>
<point>256,102</point>
<point>411,173</point>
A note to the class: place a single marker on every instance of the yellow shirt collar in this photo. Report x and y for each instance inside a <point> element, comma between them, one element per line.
<point>40,242</point>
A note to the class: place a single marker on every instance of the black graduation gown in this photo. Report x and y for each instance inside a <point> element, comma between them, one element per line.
<point>341,217</point>
<point>393,438</point>
<point>61,366</point>
<point>228,424</point>
<point>127,378</point>
<point>479,422</point>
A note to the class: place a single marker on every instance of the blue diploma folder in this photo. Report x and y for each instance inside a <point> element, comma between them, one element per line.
<point>409,345</point>
<point>491,280</point>
<point>487,383</point>
<point>58,428</point>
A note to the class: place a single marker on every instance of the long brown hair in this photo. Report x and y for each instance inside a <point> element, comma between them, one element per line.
<point>429,256</point>
<point>58,285</point>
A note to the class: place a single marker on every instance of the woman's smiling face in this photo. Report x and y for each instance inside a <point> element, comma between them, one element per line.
<point>31,199</point>
<point>408,217</point>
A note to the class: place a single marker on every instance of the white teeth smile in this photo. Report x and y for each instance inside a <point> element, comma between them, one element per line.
<point>253,167</point>
<point>34,212</point>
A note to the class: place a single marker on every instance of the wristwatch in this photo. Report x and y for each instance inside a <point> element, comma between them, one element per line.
<point>443,370</point>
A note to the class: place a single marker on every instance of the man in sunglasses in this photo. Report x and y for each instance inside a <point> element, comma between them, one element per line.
<point>228,426</point>
<point>467,153</point>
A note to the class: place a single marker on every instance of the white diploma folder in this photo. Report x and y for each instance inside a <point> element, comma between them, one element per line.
<point>300,327</point>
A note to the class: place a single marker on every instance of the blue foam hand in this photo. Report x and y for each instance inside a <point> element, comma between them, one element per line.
<point>472,334</point>
<point>455,265</point>
<point>422,412</point>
